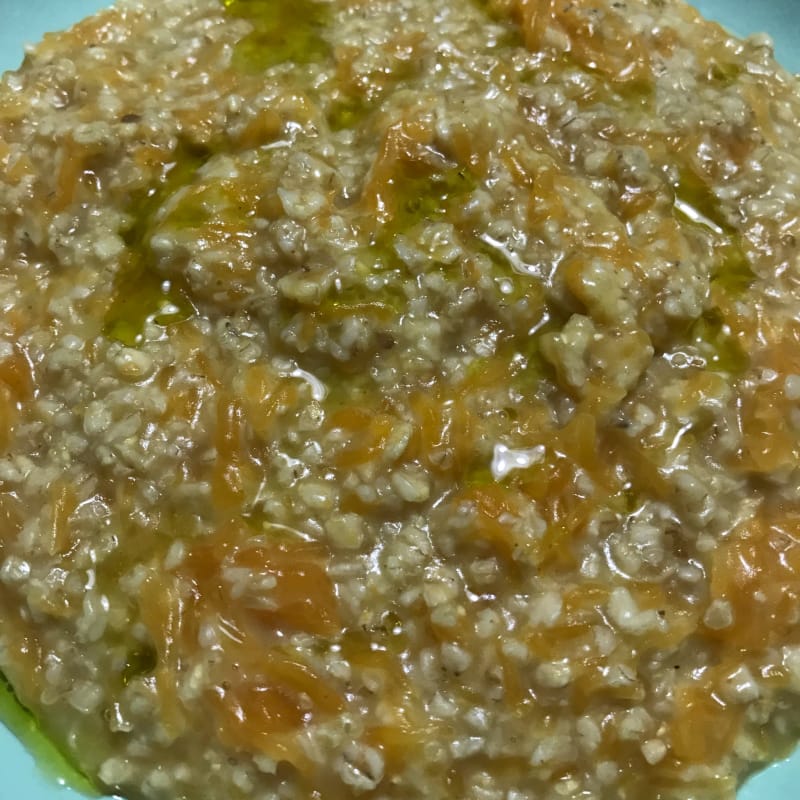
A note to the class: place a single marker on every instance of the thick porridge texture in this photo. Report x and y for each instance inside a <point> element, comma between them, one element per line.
<point>401,399</point>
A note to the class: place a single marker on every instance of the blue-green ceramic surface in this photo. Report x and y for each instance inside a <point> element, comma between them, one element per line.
<point>23,21</point>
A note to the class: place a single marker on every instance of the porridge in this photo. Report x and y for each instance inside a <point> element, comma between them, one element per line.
<point>402,399</point>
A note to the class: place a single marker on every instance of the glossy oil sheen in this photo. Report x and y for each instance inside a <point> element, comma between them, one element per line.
<point>24,22</point>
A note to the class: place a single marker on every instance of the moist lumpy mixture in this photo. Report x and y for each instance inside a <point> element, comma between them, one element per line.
<point>400,399</point>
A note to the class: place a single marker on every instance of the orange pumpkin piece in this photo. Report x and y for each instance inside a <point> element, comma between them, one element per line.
<point>64,503</point>
<point>16,387</point>
<point>758,572</point>
<point>369,434</point>
<point>16,372</point>
<point>704,727</point>
<point>444,431</point>
<point>163,610</point>
<point>232,474</point>
<point>598,39</point>
<point>261,696</point>
<point>278,697</point>
<point>302,598</point>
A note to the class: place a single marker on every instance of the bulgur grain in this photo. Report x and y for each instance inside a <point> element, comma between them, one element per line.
<point>400,399</point>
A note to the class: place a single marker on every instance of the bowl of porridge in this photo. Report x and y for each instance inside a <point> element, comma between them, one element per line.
<point>400,399</point>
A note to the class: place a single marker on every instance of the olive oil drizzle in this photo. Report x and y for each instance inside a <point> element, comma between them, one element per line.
<point>717,344</point>
<point>283,31</point>
<point>695,204</point>
<point>51,760</point>
<point>141,293</point>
